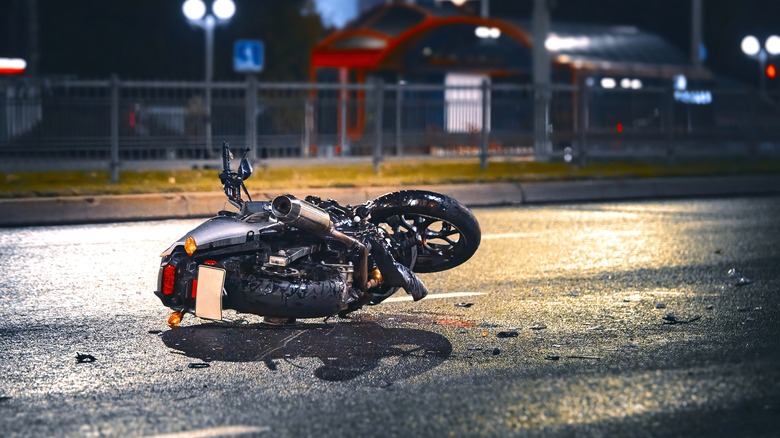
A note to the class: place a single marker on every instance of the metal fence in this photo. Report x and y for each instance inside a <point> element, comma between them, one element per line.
<point>94,124</point>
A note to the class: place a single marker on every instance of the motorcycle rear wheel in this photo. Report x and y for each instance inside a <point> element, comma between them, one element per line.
<point>447,233</point>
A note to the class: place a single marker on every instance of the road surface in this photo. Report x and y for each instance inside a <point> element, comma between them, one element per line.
<point>633,319</point>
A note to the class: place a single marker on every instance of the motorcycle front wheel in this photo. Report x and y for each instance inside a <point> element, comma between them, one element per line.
<point>445,232</point>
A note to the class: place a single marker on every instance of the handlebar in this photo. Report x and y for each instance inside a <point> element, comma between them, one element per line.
<point>226,156</point>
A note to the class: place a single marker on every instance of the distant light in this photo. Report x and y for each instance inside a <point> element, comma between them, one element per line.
<point>693,97</point>
<point>773,45</point>
<point>194,9</point>
<point>680,82</point>
<point>12,66</point>
<point>555,43</point>
<point>771,71</point>
<point>608,83</point>
<point>625,83</point>
<point>750,45</point>
<point>459,2</point>
<point>487,32</point>
<point>568,154</point>
<point>619,127</point>
<point>224,9</point>
<point>636,84</point>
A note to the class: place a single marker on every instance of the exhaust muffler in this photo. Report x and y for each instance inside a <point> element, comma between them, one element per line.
<point>292,211</point>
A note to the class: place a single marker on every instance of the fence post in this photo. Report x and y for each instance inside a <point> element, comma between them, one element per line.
<point>114,161</point>
<point>343,96</point>
<point>670,126</point>
<point>251,110</point>
<point>483,144</point>
<point>399,101</point>
<point>752,125</point>
<point>379,114</point>
<point>582,124</point>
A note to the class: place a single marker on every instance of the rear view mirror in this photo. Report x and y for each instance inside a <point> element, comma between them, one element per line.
<point>244,169</point>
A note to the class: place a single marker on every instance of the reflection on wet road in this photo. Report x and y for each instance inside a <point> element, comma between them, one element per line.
<point>597,319</point>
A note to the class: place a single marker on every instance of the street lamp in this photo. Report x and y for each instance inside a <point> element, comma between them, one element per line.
<point>196,13</point>
<point>752,48</point>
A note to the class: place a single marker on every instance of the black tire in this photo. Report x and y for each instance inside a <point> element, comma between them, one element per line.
<point>449,232</point>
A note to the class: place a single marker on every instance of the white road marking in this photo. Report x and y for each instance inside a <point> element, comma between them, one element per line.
<point>508,235</point>
<point>435,296</point>
<point>215,432</point>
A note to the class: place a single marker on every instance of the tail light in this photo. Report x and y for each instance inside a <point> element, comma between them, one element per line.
<point>169,279</point>
<point>195,288</point>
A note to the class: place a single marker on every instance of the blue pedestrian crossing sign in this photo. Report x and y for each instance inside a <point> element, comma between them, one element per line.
<point>248,56</point>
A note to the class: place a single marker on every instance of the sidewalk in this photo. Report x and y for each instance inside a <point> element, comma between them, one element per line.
<point>91,209</point>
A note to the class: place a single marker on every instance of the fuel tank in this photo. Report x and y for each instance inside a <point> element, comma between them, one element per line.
<point>222,231</point>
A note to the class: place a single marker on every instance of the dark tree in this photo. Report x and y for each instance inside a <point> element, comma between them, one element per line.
<point>151,39</point>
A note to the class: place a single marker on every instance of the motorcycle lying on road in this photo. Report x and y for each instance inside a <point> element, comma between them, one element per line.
<point>290,258</point>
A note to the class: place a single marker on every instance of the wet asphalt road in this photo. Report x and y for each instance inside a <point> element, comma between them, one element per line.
<point>619,319</point>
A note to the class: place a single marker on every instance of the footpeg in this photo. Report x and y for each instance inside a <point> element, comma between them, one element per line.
<point>412,283</point>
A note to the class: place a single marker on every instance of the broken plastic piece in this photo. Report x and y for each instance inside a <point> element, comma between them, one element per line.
<point>196,365</point>
<point>736,278</point>
<point>84,358</point>
<point>507,334</point>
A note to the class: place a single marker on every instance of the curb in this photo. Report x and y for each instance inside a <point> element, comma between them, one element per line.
<point>95,209</point>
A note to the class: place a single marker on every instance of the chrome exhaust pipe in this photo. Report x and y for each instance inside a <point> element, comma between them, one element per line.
<point>301,214</point>
<point>292,211</point>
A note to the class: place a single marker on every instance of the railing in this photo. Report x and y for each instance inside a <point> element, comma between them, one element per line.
<point>118,123</point>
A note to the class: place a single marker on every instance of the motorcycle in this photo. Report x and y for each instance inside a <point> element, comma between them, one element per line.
<point>290,258</point>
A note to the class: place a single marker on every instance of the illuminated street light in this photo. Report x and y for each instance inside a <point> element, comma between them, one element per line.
<point>484,5</point>
<point>194,9</point>
<point>752,48</point>
<point>196,13</point>
<point>750,45</point>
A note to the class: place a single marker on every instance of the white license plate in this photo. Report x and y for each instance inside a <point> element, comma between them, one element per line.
<point>208,293</point>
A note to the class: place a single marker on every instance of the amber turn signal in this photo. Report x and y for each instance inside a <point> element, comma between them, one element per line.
<point>190,246</point>
<point>175,319</point>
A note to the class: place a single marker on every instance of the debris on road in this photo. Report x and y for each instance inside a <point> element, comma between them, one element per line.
<point>538,327</point>
<point>154,332</point>
<point>660,305</point>
<point>466,305</point>
<point>671,318</point>
<point>507,334</point>
<point>736,278</point>
<point>455,322</point>
<point>84,358</point>
<point>556,357</point>
<point>198,365</point>
<point>496,352</point>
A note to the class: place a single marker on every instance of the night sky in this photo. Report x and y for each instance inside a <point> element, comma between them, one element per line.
<point>150,39</point>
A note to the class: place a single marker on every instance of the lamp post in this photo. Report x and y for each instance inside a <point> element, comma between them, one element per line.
<point>196,13</point>
<point>752,48</point>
